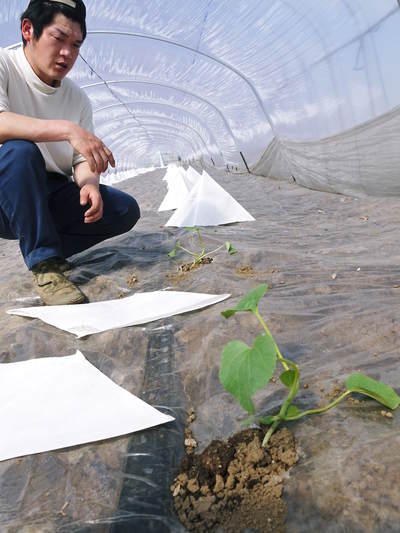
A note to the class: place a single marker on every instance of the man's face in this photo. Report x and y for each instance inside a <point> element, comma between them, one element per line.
<point>53,55</point>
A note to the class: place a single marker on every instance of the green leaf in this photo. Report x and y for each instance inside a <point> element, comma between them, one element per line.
<point>228,313</point>
<point>229,248</point>
<point>246,370</point>
<point>249,302</point>
<point>292,410</point>
<point>194,229</point>
<point>266,420</point>
<point>173,252</point>
<point>288,378</point>
<point>381,392</point>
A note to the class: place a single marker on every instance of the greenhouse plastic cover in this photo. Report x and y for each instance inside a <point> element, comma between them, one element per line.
<point>305,92</point>
<point>301,90</point>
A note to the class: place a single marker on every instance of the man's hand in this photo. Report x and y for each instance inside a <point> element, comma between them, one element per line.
<point>90,194</point>
<point>88,182</point>
<point>92,148</point>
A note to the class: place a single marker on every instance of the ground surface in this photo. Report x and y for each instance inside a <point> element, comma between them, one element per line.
<point>333,266</point>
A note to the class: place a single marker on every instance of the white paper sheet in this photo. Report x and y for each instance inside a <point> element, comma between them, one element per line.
<point>178,188</point>
<point>56,402</point>
<point>193,176</point>
<point>85,319</point>
<point>208,204</point>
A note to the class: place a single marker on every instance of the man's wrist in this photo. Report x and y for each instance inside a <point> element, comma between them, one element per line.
<point>89,181</point>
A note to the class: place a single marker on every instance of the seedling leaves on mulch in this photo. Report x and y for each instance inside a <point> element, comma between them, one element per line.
<point>375,389</point>
<point>246,370</point>
<point>292,410</point>
<point>173,252</point>
<point>288,378</point>
<point>229,248</point>
<point>249,302</point>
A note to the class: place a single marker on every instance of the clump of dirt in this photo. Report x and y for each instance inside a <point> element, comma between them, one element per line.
<point>131,280</point>
<point>246,270</point>
<point>185,269</point>
<point>190,442</point>
<point>188,267</point>
<point>236,484</point>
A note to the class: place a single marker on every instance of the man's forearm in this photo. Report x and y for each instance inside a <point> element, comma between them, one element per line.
<point>15,126</point>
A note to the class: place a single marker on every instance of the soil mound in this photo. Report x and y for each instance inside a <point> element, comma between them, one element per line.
<point>236,484</point>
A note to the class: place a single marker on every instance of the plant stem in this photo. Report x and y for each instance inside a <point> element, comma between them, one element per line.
<point>270,431</point>
<point>203,246</point>
<point>292,393</point>
<point>188,251</point>
<point>319,409</point>
<point>264,325</point>
<point>216,250</point>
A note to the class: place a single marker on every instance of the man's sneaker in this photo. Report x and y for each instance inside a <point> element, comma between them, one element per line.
<point>53,287</point>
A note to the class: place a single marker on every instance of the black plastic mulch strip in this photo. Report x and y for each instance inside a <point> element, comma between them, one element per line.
<point>154,455</point>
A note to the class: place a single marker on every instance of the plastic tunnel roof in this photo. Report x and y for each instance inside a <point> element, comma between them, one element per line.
<point>213,79</point>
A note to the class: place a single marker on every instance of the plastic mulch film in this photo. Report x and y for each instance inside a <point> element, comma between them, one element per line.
<point>332,263</point>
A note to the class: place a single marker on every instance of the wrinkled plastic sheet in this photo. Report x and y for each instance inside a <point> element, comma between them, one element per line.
<point>220,80</point>
<point>361,161</point>
<point>332,263</point>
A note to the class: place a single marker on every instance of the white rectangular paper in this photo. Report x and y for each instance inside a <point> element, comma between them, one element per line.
<point>56,402</point>
<point>85,319</point>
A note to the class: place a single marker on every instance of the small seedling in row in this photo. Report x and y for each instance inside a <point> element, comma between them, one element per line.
<point>198,257</point>
<point>245,370</point>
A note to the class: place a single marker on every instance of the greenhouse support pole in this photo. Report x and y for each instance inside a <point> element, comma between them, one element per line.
<point>245,162</point>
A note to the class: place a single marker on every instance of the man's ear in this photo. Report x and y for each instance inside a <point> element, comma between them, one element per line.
<point>27,30</point>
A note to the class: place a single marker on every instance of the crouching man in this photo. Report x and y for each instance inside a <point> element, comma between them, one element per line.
<point>50,159</point>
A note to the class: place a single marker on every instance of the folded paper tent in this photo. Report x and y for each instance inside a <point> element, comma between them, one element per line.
<point>208,204</point>
<point>179,186</point>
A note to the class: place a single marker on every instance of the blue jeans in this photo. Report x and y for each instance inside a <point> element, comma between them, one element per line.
<point>42,209</point>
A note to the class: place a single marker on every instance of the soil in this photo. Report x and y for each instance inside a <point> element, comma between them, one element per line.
<point>235,485</point>
<point>131,281</point>
<point>188,267</point>
<point>246,270</point>
<point>185,269</point>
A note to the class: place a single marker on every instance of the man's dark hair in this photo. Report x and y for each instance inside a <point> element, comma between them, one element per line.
<point>42,12</point>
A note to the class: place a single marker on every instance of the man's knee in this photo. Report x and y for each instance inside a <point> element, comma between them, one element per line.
<point>21,150</point>
<point>129,213</point>
<point>133,212</point>
<point>121,211</point>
